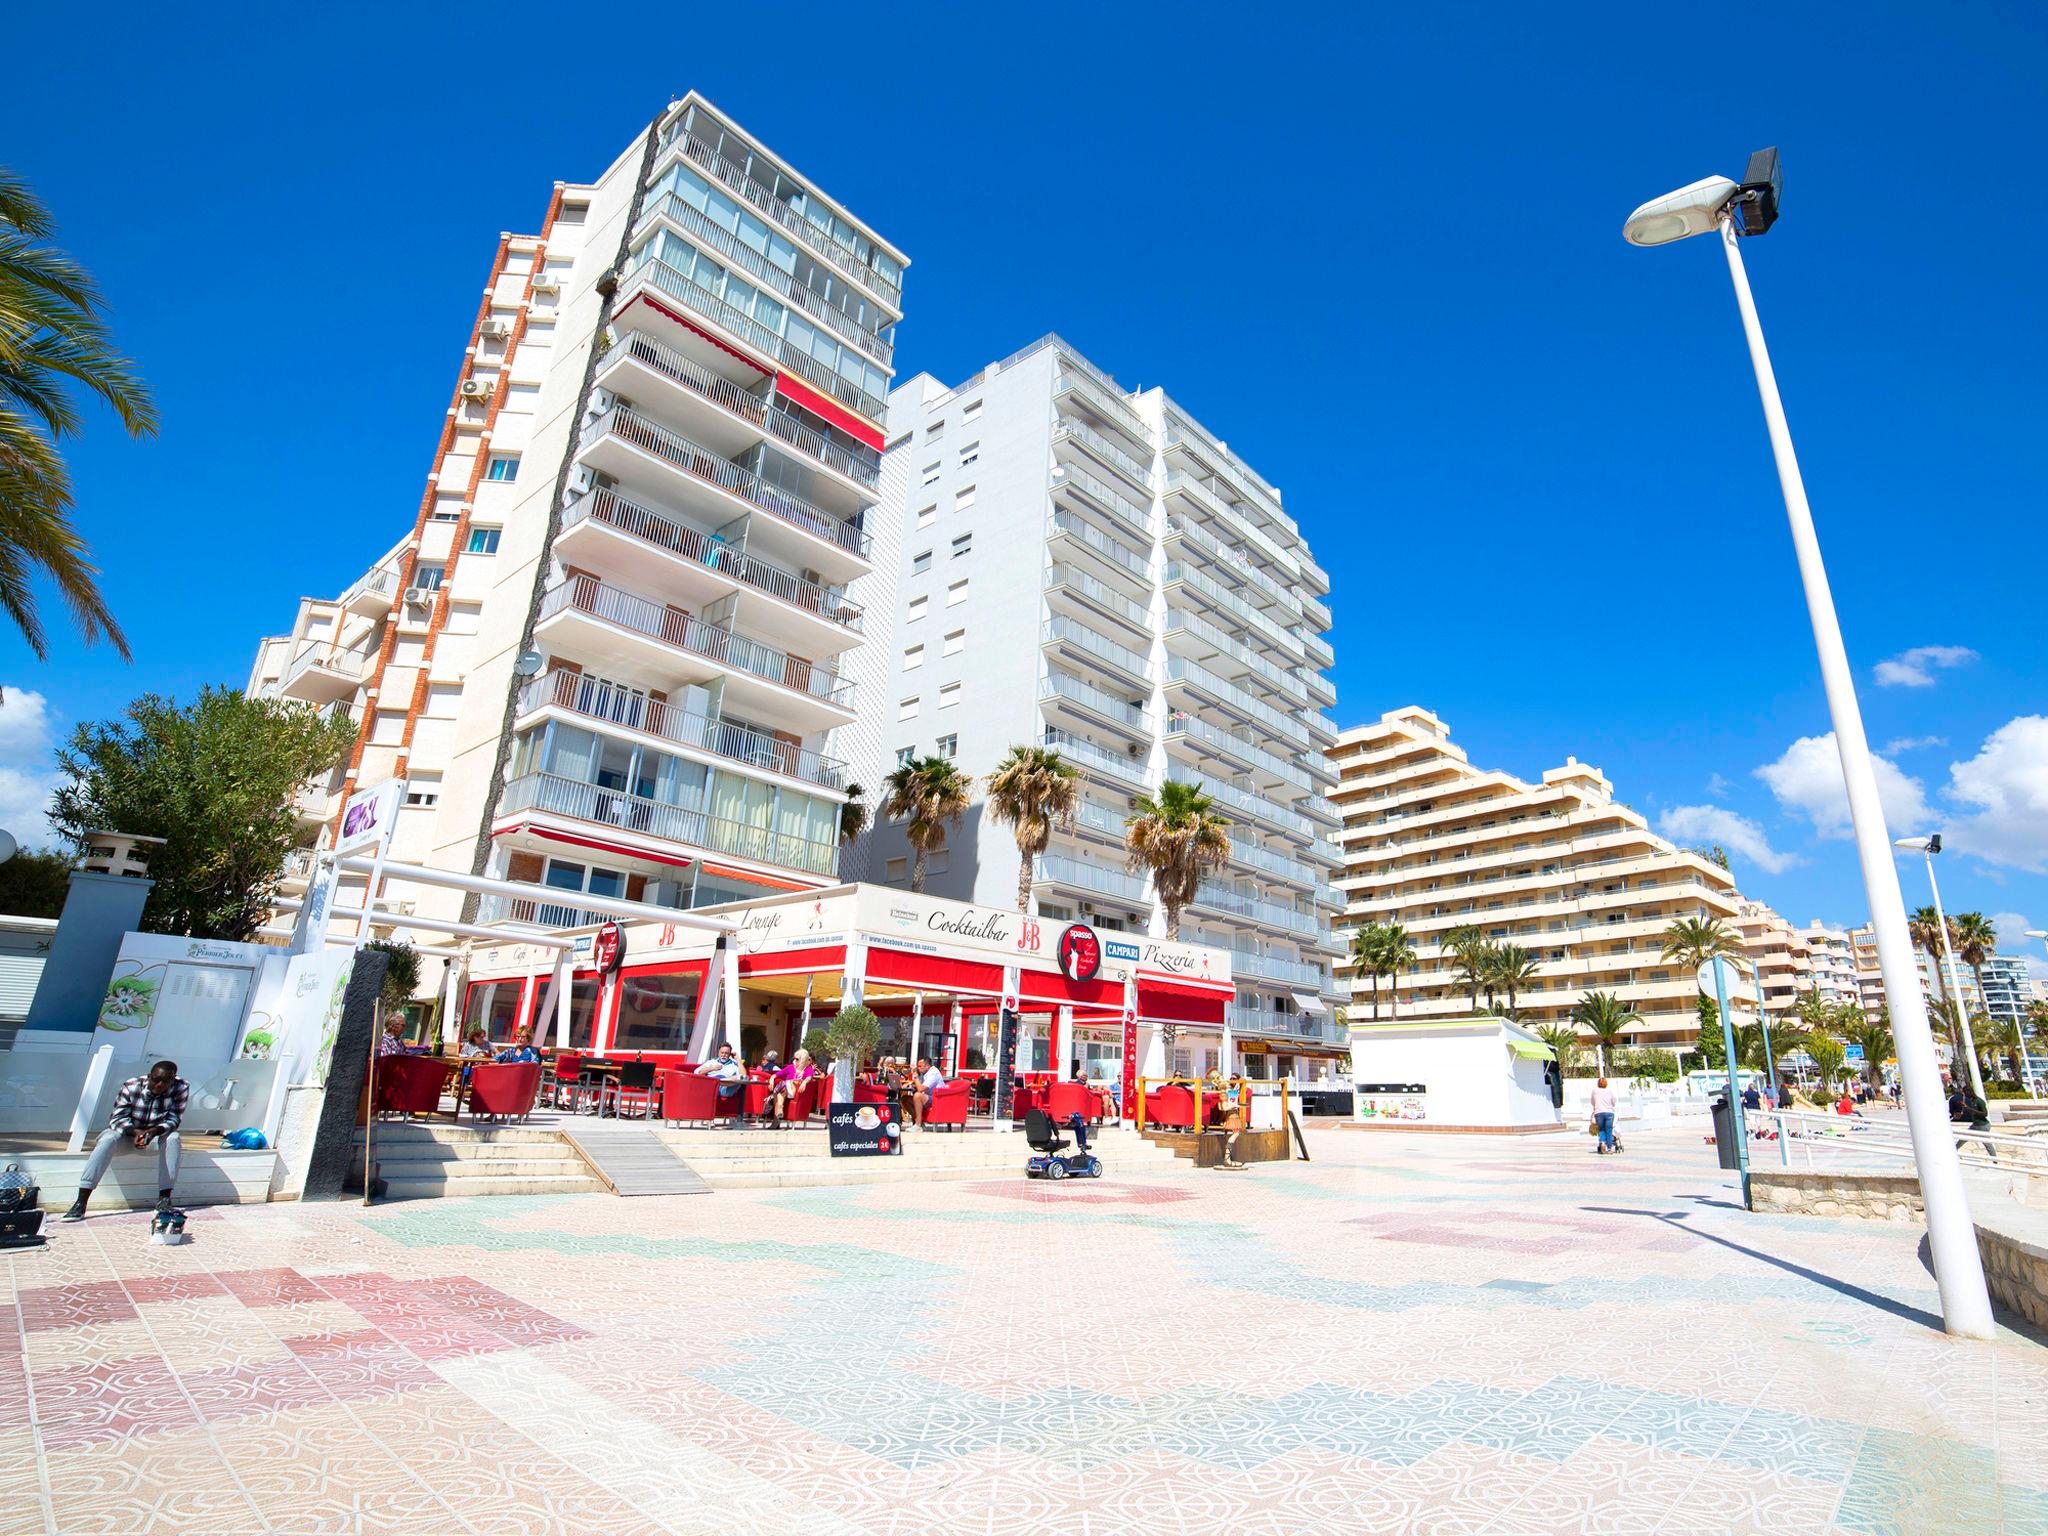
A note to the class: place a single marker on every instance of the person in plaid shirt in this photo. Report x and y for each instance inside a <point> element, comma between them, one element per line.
<point>146,1109</point>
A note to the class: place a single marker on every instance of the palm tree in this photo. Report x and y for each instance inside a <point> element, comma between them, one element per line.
<point>1874,1036</point>
<point>51,339</point>
<point>1514,969</point>
<point>1365,957</point>
<point>1976,941</point>
<point>930,794</point>
<point>1176,837</point>
<point>1925,929</point>
<point>853,816</point>
<point>1397,953</point>
<point>1563,1040</point>
<point>1827,1055</point>
<point>1695,940</point>
<point>1468,946</point>
<point>1035,792</point>
<point>1604,1016</point>
<point>2006,1034</point>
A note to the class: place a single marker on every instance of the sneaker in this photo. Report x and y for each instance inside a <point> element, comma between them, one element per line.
<point>77,1211</point>
<point>163,1201</point>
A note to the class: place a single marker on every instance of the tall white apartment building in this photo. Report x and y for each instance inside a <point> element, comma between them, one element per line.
<point>1778,953</point>
<point>607,652</point>
<point>2008,989</point>
<point>1830,963</point>
<point>1094,570</point>
<point>1933,985</point>
<point>1558,867</point>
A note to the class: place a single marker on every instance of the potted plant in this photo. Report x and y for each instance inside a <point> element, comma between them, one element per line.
<point>852,1037</point>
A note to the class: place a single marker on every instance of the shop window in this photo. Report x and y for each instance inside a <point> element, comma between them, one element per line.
<point>493,1007</point>
<point>656,1012</point>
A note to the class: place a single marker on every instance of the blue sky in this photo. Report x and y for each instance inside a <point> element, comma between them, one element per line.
<point>1380,253</point>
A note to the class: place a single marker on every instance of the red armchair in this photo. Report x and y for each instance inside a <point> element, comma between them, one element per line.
<point>870,1093</point>
<point>410,1085</point>
<point>686,1096</point>
<point>505,1089</point>
<point>949,1105</point>
<point>1172,1108</point>
<point>1063,1100</point>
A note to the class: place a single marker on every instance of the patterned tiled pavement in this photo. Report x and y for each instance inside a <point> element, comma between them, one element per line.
<point>1406,1334</point>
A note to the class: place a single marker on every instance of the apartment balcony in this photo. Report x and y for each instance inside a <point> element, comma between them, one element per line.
<point>650,272</point>
<point>1306,1027</point>
<point>602,531</point>
<point>1200,499</point>
<point>1054,869</point>
<point>629,447</point>
<point>1191,635</point>
<point>526,912</point>
<point>1283,971</point>
<point>731,419</point>
<point>372,596</point>
<point>1101,821</point>
<point>655,822</point>
<point>1278,865</point>
<point>321,675</point>
<point>1072,438</point>
<point>1318,651</point>
<point>1184,677</point>
<point>1258,808</point>
<point>1181,573</point>
<point>1068,698</point>
<point>1093,494</point>
<point>1210,550</point>
<point>1070,582</point>
<point>1317,613</point>
<point>1112,556</point>
<point>823,244</point>
<point>1127,769</point>
<point>1195,737</point>
<point>1259,500</point>
<point>628,712</point>
<point>1321,690</point>
<point>1105,399</point>
<point>1085,646</point>
<point>1213,898</point>
<point>594,623</point>
<point>778,284</point>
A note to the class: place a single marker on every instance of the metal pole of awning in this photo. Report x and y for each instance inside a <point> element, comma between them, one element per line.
<point>600,907</point>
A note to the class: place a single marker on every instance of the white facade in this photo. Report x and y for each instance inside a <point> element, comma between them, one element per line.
<point>1481,1073</point>
<point>656,481</point>
<point>2008,990</point>
<point>1091,569</point>
<point>1831,963</point>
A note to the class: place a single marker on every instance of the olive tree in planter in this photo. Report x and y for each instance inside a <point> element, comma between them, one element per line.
<point>853,1036</point>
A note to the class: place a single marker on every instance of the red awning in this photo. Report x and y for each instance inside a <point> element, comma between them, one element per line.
<point>690,325</point>
<point>1175,1004</point>
<point>624,849</point>
<point>784,962</point>
<point>934,973</point>
<point>754,878</point>
<point>1052,987</point>
<point>824,405</point>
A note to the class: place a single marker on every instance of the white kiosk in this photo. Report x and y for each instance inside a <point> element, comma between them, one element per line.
<point>1477,1074</point>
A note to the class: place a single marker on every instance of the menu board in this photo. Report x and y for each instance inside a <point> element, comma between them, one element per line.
<point>865,1130</point>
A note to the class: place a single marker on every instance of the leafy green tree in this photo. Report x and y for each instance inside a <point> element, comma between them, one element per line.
<point>401,975</point>
<point>1712,1048</point>
<point>929,794</point>
<point>1035,792</point>
<point>53,342</point>
<point>1176,837</point>
<point>1828,1056</point>
<point>35,884</point>
<point>217,780</point>
<point>853,1036</point>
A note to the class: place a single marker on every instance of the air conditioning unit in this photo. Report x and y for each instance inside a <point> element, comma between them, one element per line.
<point>476,389</point>
<point>547,282</point>
<point>1135,749</point>
<point>496,330</point>
<point>419,597</point>
<point>582,478</point>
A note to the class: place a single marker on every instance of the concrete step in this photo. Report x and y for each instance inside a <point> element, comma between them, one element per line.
<point>510,1184</point>
<point>470,1151</point>
<point>461,1172</point>
<point>390,1132</point>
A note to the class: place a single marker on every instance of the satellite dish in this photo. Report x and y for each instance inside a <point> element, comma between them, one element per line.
<point>8,847</point>
<point>528,664</point>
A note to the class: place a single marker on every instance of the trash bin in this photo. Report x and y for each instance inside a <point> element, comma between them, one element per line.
<point>1724,1134</point>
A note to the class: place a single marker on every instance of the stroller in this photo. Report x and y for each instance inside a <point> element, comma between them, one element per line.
<point>1050,1159</point>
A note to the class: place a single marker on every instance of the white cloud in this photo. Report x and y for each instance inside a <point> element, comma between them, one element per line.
<point>27,776</point>
<point>1807,782</point>
<point>2006,787</point>
<point>1717,786</point>
<point>1900,744</point>
<point>1742,837</point>
<point>2012,940</point>
<point>1916,668</point>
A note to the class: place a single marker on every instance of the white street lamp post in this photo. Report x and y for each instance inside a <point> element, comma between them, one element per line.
<point>1959,1270</point>
<point>1951,978</point>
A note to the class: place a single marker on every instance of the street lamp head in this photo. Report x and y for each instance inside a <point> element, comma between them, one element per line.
<point>2037,933</point>
<point>1929,844</point>
<point>1691,210</point>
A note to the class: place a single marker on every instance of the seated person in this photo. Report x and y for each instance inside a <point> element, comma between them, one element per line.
<point>732,1080</point>
<point>770,1066</point>
<point>789,1082</point>
<point>476,1045</point>
<point>146,1110</point>
<point>392,1041</point>
<point>521,1048</point>
<point>917,1095</point>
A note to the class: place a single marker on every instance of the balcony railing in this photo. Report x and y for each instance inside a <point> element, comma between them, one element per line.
<point>674,823</point>
<point>607,506</point>
<point>1194,728</point>
<point>350,664</point>
<point>1054,684</point>
<point>1091,877</point>
<point>765,272</point>
<point>673,448</point>
<point>1233,559</point>
<point>1180,670</point>
<point>735,178</point>
<point>1299,1026</point>
<point>382,582</point>
<point>628,610</point>
<point>1078,580</point>
<point>1105,397</point>
<point>1131,770</point>
<point>1061,630</point>
<point>596,699</point>
<point>1259,808</point>
<point>1191,621</point>
<point>1184,572</point>
<point>1219,898</point>
<point>1263,499</point>
<point>536,914</point>
<point>1111,549</point>
<point>756,335</point>
<point>1286,972</point>
<point>1100,818</point>
<point>1278,865</point>
<point>720,391</point>
<point>1104,500</point>
<point>1103,449</point>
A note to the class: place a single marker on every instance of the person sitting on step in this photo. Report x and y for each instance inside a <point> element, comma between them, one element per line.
<point>146,1110</point>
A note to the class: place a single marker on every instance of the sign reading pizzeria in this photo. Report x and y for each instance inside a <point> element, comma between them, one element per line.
<point>1080,953</point>
<point>608,949</point>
